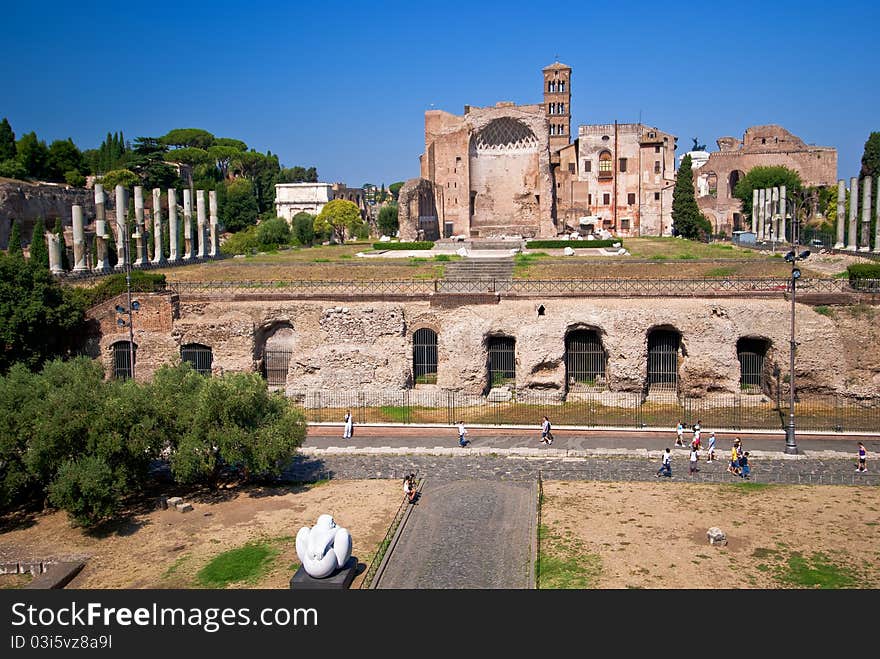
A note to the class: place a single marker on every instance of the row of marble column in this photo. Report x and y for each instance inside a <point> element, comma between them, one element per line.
<point>768,215</point>
<point>857,240</point>
<point>206,243</point>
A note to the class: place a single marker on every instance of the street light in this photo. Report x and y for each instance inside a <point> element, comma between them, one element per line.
<point>799,202</point>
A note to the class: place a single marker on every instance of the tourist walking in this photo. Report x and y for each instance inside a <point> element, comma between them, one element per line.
<point>697,428</point>
<point>546,435</point>
<point>679,431</point>
<point>711,456</point>
<point>744,469</point>
<point>665,464</point>
<point>462,432</point>
<point>349,425</point>
<point>863,458</point>
<point>693,460</point>
<point>409,487</point>
<point>733,467</point>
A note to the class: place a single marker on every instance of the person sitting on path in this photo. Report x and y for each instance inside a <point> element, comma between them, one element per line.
<point>462,431</point>
<point>409,487</point>
<point>665,465</point>
<point>546,435</point>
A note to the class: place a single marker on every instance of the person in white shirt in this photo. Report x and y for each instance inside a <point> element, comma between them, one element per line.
<point>462,431</point>
<point>665,465</point>
<point>349,425</point>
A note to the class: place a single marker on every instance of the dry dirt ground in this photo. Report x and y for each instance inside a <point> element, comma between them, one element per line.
<point>653,535</point>
<point>622,535</point>
<point>166,548</point>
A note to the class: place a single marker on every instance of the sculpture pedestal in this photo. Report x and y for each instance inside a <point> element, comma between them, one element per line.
<point>339,580</point>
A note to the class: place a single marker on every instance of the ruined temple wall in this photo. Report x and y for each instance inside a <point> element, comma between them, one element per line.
<point>25,202</point>
<point>357,346</point>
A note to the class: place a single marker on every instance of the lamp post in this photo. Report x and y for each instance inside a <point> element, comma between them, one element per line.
<point>799,202</point>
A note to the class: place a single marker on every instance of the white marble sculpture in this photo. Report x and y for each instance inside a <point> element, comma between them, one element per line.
<point>324,548</point>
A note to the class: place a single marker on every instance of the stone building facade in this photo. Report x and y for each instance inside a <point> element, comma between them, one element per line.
<point>763,146</point>
<point>355,346</point>
<point>513,170</point>
<point>293,198</point>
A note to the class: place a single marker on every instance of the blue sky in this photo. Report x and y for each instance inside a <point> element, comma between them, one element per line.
<point>343,86</point>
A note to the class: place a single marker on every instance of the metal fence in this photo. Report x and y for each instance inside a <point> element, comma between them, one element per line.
<point>591,410</point>
<point>611,287</point>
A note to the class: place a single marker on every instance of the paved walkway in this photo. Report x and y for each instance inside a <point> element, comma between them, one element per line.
<point>466,534</point>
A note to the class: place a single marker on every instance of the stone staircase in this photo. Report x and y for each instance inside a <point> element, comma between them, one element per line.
<point>477,275</point>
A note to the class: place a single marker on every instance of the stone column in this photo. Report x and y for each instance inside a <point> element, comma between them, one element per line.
<point>841,214</point>
<point>865,245</point>
<point>877,221</point>
<point>774,214</point>
<point>54,244</point>
<point>101,263</point>
<point>768,213</point>
<point>121,228</point>
<point>158,253</point>
<point>212,215</point>
<point>853,207</point>
<point>782,210</point>
<point>762,209</point>
<point>187,224</point>
<point>200,222</point>
<point>755,207</point>
<point>79,247</point>
<point>172,226</point>
<point>141,246</point>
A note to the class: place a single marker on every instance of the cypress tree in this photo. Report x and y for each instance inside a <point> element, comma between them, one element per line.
<point>7,141</point>
<point>687,220</point>
<point>14,248</point>
<point>39,250</point>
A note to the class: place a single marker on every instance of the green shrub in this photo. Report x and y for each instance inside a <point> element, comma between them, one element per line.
<point>422,244</point>
<point>574,244</point>
<point>304,228</point>
<point>272,233</point>
<point>243,242</point>
<point>87,489</point>
<point>863,271</point>
<point>113,285</point>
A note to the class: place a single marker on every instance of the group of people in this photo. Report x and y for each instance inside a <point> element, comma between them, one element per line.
<point>409,487</point>
<point>739,459</point>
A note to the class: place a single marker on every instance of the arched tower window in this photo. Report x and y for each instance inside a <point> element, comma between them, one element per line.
<point>502,360</point>
<point>425,356</point>
<point>663,351</point>
<point>752,354</point>
<point>605,165</point>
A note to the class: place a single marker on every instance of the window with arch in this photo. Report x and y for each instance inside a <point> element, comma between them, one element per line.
<point>585,360</point>
<point>502,360</point>
<point>663,350</point>
<point>425,356</point>
<point>605,165</point>
<point>122,357</point>
<point>752,353</point>
<point>562,85</point>
<point>199,356</point>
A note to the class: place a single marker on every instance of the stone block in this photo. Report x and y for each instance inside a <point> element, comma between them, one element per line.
<point>183,507</point>
<point>173,501</point>
<point>339,580</point>
<point>716,536</point>
<point>499,395</point>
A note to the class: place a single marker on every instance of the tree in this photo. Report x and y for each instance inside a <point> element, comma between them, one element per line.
<point>870,157</point>
<point>687,220</point>
<point>74,179</point>
<point>188,155</point>
<point>14,247</point>
<point>387,221</point>
<point>759,178</point>
<point>33,154</point>
<point>221,155</point>
<point>7,141</point>
<point>39,252</point>
<point>240,207</point>
<point>238,145</point>
<point>274,232</point>
<point>394,189</point>
<point>181,137</point>
<point>304,228</point>
<point>63,157</point>
<point>38,319</point>
<point>338,216</point>
<point>12,168</point>
<point>124,177</point>
<point>298,174</point>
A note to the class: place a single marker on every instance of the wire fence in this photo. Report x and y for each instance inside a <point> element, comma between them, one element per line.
<point>590,410</point>
<point>708,287</point>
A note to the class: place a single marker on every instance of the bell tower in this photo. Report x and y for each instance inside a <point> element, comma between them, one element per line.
<point>557,104</point>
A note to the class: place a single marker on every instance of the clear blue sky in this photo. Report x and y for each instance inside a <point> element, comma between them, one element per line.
<point>343,86</point>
